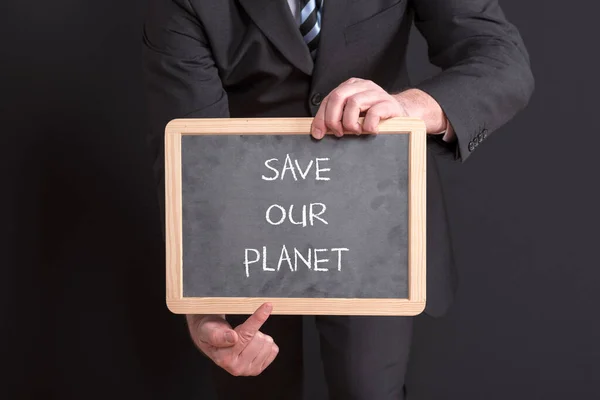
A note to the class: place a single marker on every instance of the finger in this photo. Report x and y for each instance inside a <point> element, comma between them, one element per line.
<point>259,360</point>
<point>318,127</point>
<point>337,102</point>
<point>249,355</point>
<point>270,358</point>
<point>358,103</point>
<point>253,358</point>
<point>252,325</point>
<point>378,112</point>
<point>256,366</point>
<point>352,80</point>
<point>217,333</point>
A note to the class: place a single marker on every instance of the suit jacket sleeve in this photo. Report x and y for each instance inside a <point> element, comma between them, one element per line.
<point>180,75</point>
<point>486,77</point>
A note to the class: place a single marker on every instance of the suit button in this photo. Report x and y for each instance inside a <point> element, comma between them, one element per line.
<point>316,99</point>
<point>471,146</point>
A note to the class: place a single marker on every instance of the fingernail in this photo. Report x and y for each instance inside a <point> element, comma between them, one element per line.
<point>317,133</point>
<point>229,337</point>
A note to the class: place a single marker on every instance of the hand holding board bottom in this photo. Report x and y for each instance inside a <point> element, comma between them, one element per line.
<point>241,351</point>
<point>257,211</point>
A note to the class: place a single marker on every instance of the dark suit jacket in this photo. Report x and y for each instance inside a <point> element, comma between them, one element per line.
<point>246,58</point>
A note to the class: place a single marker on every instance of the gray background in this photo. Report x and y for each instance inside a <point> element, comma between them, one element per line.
<point>224,204</point>
<point>82,306</point>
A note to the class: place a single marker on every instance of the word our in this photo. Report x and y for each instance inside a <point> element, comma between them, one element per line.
<point>281,213</point>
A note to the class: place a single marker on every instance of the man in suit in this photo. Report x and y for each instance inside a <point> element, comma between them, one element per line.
<point>335,61</point>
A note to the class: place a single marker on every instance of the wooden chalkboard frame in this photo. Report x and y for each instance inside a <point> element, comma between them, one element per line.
<point>178,304</point>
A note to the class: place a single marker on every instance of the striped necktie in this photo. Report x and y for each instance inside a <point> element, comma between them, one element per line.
<point>310,23</point>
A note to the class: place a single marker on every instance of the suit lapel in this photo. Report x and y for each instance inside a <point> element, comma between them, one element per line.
<point>332,35</point>
<point>278,25</point>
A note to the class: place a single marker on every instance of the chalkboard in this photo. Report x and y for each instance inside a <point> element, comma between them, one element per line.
<point>257,210</point>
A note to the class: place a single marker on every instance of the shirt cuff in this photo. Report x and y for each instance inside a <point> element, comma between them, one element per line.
<point>449,135</point>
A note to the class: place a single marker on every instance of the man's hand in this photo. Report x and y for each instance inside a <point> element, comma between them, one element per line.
<point>340,109</point>
<point>243,351</point>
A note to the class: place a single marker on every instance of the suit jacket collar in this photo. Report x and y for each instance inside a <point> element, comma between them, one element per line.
<point>332,36</point>
<point>282,32</point>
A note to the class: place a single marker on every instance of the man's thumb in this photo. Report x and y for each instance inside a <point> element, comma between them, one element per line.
<point>222,337</point>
